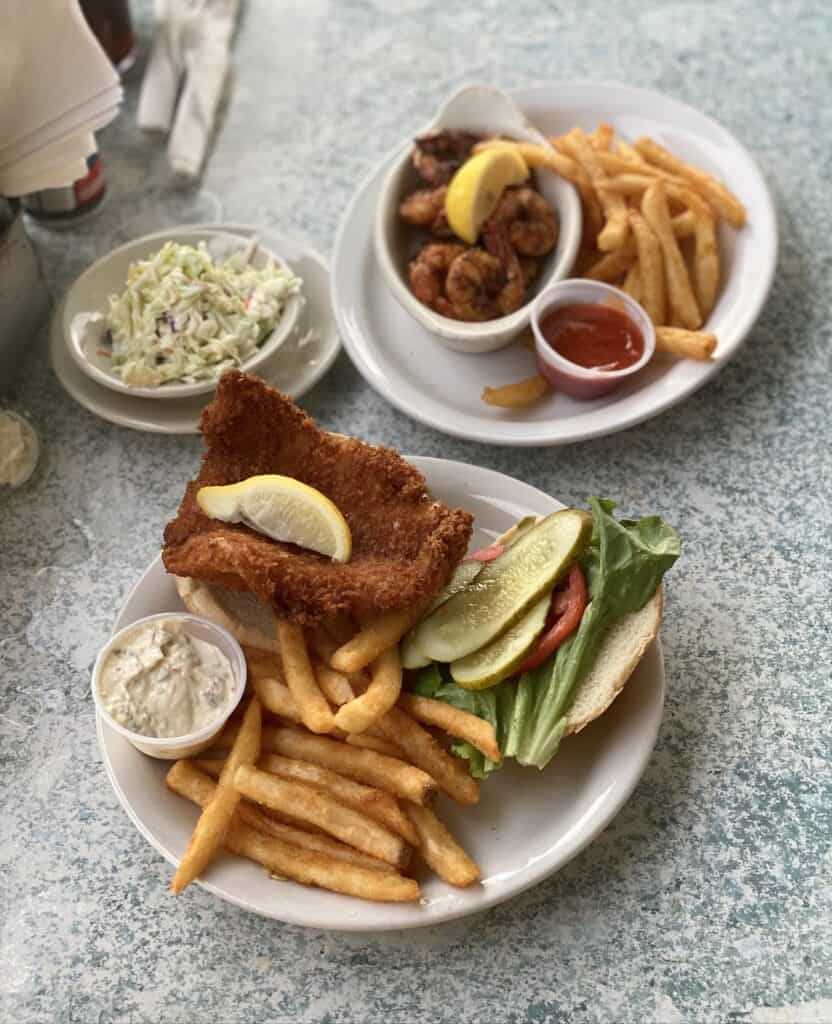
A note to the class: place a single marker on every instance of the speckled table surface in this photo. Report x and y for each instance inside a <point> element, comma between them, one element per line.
<point>709,897</point>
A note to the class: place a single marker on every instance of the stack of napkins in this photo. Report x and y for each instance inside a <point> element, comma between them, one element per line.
<point>57,86</point>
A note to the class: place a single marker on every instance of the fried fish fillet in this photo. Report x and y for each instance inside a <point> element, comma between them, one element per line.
<point>404,544</point>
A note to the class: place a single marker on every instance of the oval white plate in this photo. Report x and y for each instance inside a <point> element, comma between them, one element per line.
<point>441,388</point>
<point>90,291</point>
<point>527,824</point>
<point>294,368</point>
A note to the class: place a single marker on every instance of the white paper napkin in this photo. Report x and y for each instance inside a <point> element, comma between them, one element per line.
<point>47,119</point>
<point>192,40</point>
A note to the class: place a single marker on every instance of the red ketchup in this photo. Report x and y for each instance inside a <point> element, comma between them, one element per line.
<point>596,337</point>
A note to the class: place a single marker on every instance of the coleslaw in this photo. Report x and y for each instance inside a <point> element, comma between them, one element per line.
<point>185,318</point>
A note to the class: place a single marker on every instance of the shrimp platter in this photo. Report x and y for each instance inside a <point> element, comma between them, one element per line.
<point>476,278</point>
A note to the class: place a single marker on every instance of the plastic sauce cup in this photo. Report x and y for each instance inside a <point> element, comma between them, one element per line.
<point>171,748</point>
<point>582,381</point>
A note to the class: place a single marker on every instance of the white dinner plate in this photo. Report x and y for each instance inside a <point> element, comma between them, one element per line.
<point>527,824</point>
<point>300,362</point>
<point>442,388</point>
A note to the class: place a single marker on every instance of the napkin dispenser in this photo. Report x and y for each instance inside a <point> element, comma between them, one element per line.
<point>24,300</point>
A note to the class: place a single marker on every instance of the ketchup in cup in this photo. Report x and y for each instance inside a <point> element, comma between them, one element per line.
<point>589,337</point>
<point>597,337</point>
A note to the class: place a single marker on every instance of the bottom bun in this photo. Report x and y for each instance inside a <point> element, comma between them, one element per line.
<point>622,649</point>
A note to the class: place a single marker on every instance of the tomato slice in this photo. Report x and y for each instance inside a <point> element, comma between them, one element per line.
<point>487,554</point>
<point>565,611</point>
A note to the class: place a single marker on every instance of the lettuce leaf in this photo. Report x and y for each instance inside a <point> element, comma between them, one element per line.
<point>624,564</point>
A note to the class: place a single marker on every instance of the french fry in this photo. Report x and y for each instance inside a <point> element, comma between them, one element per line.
<point>369,742</point>
<point>318,841</point>
<point>690,344</point>
<point>455,722</point>
<point>651,268</point>
<point>706,256</point>
<point>372,640</point>
<point>203,788</point>
<point>632,282</point>
<point>311,805</point>
<point>338,688</point>
<point>312,868</point>
<point>559,143</point>
<point>210,832</point>
<point>301,865</point>
<point>213,767</point>
<point>334,685</point>
<point>613,235</point>
<point>199,599</point>
<point>297,668</point>
<point>422,750</point>
<point>613,164</point>
<point>276,697</point>
<point>633,186</point>
<point>716,194</point>
<point>375,803</point>
<point>519,394</point>
<point>440,850</point>
<point>630,154</point>
<point>387,773</point>
<point>612,265</point>
<point>684,224</point>
<point>682,301</point>
<point>602,137</point>
<point>382,693</point>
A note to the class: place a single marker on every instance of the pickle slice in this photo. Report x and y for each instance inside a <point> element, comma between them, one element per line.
<point>497,660</point>
<point>506,588</point>
<point>464,574</point>
<point>410,654</point>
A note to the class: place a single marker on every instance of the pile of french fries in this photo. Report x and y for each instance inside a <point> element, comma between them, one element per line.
<point>650,223</point>
<point>329,775</point>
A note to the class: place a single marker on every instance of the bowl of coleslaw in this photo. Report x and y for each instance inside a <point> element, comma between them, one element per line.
<point>164,316</point>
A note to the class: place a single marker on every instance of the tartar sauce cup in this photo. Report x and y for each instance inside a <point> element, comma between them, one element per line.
<point>581,381</point>
<point>171,748</point>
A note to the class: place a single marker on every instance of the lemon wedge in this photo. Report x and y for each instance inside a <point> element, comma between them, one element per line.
<point>476,188</point>
<point>284,509</point>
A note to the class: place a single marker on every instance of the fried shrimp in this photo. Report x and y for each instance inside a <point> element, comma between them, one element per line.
<point>428,274</point>
<point>438,155</point>
<point>484,285</point>
<point>529,268</point>
<point>531,222</point>
<point>425,208</point>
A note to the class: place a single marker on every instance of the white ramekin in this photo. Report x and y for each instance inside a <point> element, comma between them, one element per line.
<point>171,748</point>
<point>483,109</point>
<point>566,376</point>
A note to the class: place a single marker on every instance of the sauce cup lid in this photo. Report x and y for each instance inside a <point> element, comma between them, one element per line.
<point>593,293</point>
<point>201,629</point>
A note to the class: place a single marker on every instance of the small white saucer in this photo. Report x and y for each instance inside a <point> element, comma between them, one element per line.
<point>298,365</point>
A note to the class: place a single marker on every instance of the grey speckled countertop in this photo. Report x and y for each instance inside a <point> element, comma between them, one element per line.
<point>709,897</point>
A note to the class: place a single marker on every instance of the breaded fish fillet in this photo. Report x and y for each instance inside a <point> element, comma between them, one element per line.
<point>404,544</point>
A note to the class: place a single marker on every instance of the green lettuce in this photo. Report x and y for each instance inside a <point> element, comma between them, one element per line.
<point>624,564</point>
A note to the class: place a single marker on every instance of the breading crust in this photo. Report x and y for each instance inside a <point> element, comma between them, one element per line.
<point>405,544</point>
